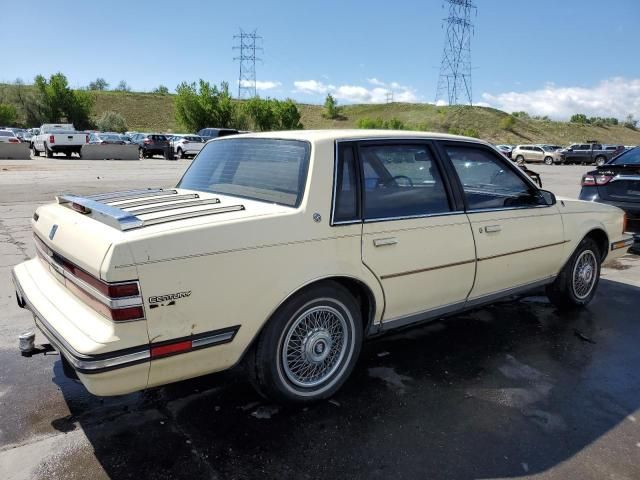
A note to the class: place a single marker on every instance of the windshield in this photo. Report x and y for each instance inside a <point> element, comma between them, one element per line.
<point>268,170</point>
<point>630,157</point>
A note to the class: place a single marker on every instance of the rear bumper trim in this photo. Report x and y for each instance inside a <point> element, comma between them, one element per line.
<point>103,362</point>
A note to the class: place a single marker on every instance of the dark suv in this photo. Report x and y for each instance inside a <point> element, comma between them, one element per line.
<point>209,133</point>
<point>151,144</point>
<point>617,183</point>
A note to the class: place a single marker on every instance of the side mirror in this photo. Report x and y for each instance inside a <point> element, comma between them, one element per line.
<point>548,197</point>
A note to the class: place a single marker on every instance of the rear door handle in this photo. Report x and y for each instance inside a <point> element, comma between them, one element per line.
<point>492,228</point>
<point>381,242</point>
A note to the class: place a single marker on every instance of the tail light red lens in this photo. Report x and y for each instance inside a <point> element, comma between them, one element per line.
<point>52,139</point>
<point>589,180</point>
<point>14,140</point>
<point>146,141</point>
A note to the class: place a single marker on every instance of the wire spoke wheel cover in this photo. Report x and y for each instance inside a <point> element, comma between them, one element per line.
<point>315,345</point>
<point>584,273</point>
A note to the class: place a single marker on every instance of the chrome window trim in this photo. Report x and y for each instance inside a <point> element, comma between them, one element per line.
<point>501,209</point>
<point>411,217</point>
<point>619,177</point>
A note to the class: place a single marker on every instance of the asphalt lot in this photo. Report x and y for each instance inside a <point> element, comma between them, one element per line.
<point>514,390</point>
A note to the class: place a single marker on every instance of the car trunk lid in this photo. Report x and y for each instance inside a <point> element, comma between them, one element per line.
<point>624,183</point>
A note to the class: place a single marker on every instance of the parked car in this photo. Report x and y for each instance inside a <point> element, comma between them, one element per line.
<point>285,250</point>
<point>505,149</point>
<point>535,153</point>
<point>186,145</point>
<point>7,136</point>
<point>150,144</point>
<point>58,138</point>
<point>106,138</point>
<point>617,182</point>
<point>586,153</point>
<point>24,136</point>
<point>211,133</point>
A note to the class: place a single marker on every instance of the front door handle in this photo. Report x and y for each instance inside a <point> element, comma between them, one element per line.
<point>492,228</point>
<point>381,242</point>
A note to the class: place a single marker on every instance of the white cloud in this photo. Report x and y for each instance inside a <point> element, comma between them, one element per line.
<point>266,85</point>
<point>359,93</point>
<point>613,97</point>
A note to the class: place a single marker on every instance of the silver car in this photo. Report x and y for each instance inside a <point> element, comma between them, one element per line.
<point>7,136</point>
<point>535,154</point>
<point>186,145</point>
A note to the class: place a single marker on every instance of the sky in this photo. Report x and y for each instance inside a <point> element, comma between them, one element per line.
<point>546,57</point>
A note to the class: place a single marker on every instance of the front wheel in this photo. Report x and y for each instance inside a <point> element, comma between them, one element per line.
<point>548,161</point>
<point>179,154</point>
<point>34,151</point>
<point>600,161</point>
<point>520,160</point>
<point>309,347</point>
<point>576,284</point>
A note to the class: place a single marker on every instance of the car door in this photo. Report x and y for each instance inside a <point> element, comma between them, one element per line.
<point>518,237</point>
<point>537,154</point>
<point>415,238</point>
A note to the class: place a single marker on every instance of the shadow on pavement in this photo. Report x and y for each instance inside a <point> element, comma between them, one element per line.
<point>509,390</point>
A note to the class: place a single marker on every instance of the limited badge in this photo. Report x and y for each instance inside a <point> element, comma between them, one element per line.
<point>52,232</point>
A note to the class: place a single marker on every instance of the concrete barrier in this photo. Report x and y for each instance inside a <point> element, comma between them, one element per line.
<point>109,152</point>
<point>14,151</point>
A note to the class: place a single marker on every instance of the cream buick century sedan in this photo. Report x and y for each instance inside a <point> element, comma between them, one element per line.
<point>286,250</point>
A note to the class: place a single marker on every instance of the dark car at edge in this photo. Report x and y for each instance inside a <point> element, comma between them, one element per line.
<point>617,183</point>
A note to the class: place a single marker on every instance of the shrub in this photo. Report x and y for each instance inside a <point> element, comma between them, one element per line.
<point>379,123</point>
<point>111,121</point>
<point>202,105</point>
<point>508,123</point>
<point>471,132</point>
<point>123,87</point>
<point>580,118</point>
<point>8,114</point>
<point>161,89</point>
<point>630,122</point>
<point>520,114</point>
<point>331,109</point>
<point>99,84</point>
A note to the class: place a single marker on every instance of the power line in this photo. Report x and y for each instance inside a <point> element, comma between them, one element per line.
<point>247,60</point>
<point>455,68</point>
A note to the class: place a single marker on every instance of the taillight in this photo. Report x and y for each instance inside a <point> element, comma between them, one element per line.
<point>120,301</point>
<point>86,139</point>
<point>52,139</point>
<point>625,219</point>
<point>14,140</point>
<point>589,180</point>
<point>146,141</point>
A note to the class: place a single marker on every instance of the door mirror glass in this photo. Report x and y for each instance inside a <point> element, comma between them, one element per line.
<point>548,197</point>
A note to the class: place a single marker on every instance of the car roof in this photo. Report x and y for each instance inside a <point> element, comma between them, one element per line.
<point>354,134</point>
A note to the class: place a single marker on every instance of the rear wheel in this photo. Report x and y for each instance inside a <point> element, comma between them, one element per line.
<point>140,153</point>
<point>179,154</point>
<point>520,160</point>
<point>601,161</point>
<point>548,160</point>
<point>48,152</point>
<point>309,347</point>
<point>576,284</point>
<point>34,151</point>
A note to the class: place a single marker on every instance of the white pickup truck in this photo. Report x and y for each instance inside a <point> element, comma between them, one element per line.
<point>58,138</point>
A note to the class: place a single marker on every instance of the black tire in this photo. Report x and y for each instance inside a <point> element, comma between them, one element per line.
<point>565,292</point>
<point>48,153</point>
<point>548,160</point>
<point>141,154</point>
<point>68,154</point>
<point>34,151</point>
<point>179,154</point>
<point>280,379</point>
<point>601,161</point>
<point>520,160</point>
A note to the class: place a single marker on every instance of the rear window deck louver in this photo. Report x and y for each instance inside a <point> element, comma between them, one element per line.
<point>123,220</point>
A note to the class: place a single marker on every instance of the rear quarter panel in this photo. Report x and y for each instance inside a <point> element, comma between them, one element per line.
<point>239,272</point>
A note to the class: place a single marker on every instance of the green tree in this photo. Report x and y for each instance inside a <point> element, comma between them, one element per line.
<point>331,109</point>
<point>630,122</point>
<point>394,124</point>
<point>8,114</point>
<point>580,118</point>
<point>162,90</point>
<point>202,105</point>
<point>99,84</point>
<point>57,102</point>
<point>262,113</point>
<point>287,114</point>
<point>508,123</point>
<point>111,121</point>
<point>123,87</point>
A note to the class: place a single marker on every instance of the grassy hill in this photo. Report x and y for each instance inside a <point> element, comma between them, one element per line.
<point>154,112</point>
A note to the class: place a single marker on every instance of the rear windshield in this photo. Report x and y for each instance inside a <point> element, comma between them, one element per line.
<point>630,157</point>
<point>267,170</point>
<point>6,134</point>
